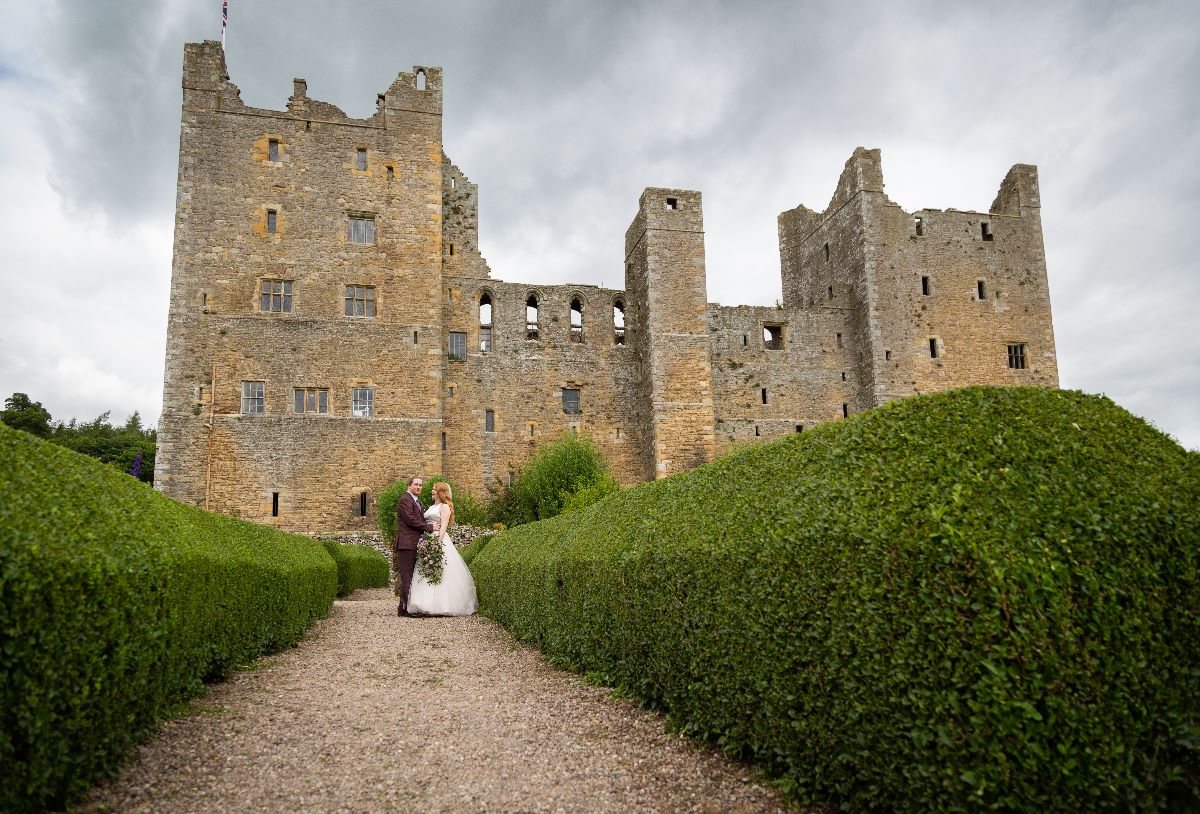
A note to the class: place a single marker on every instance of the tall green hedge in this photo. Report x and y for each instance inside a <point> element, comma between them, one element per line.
<point>115,604</point>
<point>985,599</point>
<point>358,566</point>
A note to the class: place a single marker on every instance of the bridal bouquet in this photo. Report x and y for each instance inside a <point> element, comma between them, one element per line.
<point>430,558</point>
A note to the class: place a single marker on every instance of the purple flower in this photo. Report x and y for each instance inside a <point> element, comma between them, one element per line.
<point>136,469</point>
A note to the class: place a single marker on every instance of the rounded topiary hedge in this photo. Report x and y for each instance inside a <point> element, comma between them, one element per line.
<point>985,599</point>
<point>115,604</point>
<point>358,566</point>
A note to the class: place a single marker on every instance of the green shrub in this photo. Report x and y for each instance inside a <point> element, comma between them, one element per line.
<point>986,599</point>
<point>358,566</point>
<point>471,550</point>
<point>569,465</point>
<point>115,604</point>
<point>467,509</point>
<point>594,492</point>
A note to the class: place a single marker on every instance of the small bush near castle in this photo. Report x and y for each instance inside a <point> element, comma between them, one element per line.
<point>358,566</point>
<point>468,510</point>
<point>987,599</point>
<point>115,604</point>
<point>569,471</point>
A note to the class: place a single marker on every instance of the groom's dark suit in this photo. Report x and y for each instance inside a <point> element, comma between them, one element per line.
<point>410,523</point>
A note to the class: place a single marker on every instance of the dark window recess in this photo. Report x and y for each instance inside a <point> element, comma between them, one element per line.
<point>764,394</point>
<point>570,398</point>
<point>451,249</point>
<point>845,410</point>
<point>458,346</point>
<point>840,343</point>
<point>391,173</point>
<point>416,339</point>
<point>933,349</point>
<point>799,428</point>
<point>985,230</point>
<point>773,337</point>
<point>843,375</point>
<point>826,252</point>
<point>273,150</point>
<point>745,340</point>
<point>919,226</point>
<point>887,356</point>
<point>274,504</point>
<point>980,290</point>
<point>756,432</point>
<point>925,285</point>
<point>672,203</point>
<point>361,161</point>
<point>1016,355</point>
<point>831,292</point>
<point>489,421</point>
<point>272,221</point>
<point>362,504</point>
<point>443,442</point>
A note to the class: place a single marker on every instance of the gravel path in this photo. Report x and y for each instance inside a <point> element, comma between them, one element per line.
<point>373,713</point>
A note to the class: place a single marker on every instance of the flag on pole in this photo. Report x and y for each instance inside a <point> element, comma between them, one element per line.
<point>224,21</point>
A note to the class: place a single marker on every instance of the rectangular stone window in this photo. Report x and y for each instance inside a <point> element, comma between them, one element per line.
<point>764,394</point>
<point>458,346</point>
<point>443,442</point>
<point>840,342</point>
<point>360,301</point>
<point>826,252</point>
<point>919,226</point>
<point>391,173</point>
<point>773,337</point>
<point>933,347</point>
<point>311,399</point>
<point>845,410</point>
<point>252,397</point>
<point>570,398</point>
<point>362,402</point>
<point>925,287</point>
<point>489,420</point>
<point>276,296</point>
<point>361,159</point>
<point>985,230</point>
<point>485,338</point>
<point>360,229</point>
<point>361,506</point>
<point>274,504</point>
<point>272,222</point>
<point>1016,355</point>
<point>980,290</point>
<point>799,428</point>
<point>887,356</point>
<point>672,203</point>
<point>273,149</point>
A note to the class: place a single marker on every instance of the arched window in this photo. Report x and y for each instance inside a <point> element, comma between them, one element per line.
<point>576,320</point>
<point>420,80</point>
<point>618,322</point>
<point>485,322</point>
<point>531,317</point>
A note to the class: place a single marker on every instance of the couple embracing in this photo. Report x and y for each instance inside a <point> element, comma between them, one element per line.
<point>454,595</point>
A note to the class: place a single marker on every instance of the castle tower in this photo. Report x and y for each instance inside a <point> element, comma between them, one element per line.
<point>665,283</point>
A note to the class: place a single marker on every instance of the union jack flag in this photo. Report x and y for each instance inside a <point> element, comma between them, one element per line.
<point>224,19</point>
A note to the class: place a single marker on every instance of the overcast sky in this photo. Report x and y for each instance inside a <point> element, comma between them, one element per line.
<point>564,112</point>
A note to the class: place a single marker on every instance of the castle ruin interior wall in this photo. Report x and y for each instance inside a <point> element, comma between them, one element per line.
<point>470,391</point>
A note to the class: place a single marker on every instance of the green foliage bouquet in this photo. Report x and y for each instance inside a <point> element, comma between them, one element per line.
<point>430,558</point>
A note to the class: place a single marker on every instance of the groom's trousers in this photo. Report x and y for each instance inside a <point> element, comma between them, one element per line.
<point>405,561</point>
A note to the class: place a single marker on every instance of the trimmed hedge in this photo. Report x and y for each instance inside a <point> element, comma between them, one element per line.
<point>471,550</point>
<point>115,604</point>
<point>985,599</point>
<point>358,566</point>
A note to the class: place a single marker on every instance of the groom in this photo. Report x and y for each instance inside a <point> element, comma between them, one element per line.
<point>410,524</point>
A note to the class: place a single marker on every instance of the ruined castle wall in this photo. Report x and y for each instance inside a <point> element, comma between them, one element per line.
<point>219,336</point>
<point>460,225</point>
<point>521,380</point>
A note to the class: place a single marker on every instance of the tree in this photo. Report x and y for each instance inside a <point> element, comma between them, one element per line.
<point>22,413</point>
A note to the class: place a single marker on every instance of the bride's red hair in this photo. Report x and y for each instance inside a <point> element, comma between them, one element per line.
<point>442,490</point>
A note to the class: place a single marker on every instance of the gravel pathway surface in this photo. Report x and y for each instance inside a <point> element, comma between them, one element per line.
<point>373,713</point>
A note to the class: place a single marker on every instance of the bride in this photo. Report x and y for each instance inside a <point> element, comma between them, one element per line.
<point>455,594</point>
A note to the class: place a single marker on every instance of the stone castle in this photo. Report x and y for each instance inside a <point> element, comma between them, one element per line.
<point>333,326</point>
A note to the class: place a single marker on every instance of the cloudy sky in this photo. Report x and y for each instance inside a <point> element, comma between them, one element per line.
<point>562,112</point>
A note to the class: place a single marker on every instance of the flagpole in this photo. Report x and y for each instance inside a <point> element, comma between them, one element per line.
<point>224,21</point>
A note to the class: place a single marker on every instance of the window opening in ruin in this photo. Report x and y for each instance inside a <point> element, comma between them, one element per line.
<point>925,284</point>
<point>443,442</point>
<point>764,394</point>
<point>451,249</point>
<point>360,301</point>
<point>672,203</point>
<point>485,338</point>
<point>310,399</point>
<point>919,226</point>
<point>361,229</point>
<point>273,150</point>
<point>252,397</point>
<point>276,296</point>
<point>933,348</point>
<point>450,390</point>
<point>362,402</point>
<point>416,338</point>
<point>203,299</point>
<point>756,432</point>
<point>458,346</point>
<point>845,410</point>
<point>985,230</point>
<point>826,252</point>
<point>453,183</point>
<point>272,221</point>
<point>570,400</point>
<point>361,159</point>
<point>576,320</point>
<point>485,322</point>
<point>831,292</point>
<point>843,375</point>
<point>746,340</point>
<point>391,173</point>
<point>772,337</point>
<point>420,80</point>
<point>887,356</point>
<point>618,434</point>
<point>1016,355</point>
<point>274,504</point>
<point>489,421</point>
<point>531,317</point>
<point>362,504</point>
<point>980,290</point>
<point>308,125</point>
<point>799,428</point>
<point>618,322</point>
<point>840,343</point>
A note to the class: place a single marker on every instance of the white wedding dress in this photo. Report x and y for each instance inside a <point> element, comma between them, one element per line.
<point>455,594</point>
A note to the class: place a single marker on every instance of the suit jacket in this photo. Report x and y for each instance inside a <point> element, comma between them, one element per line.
<point>410,523</point>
